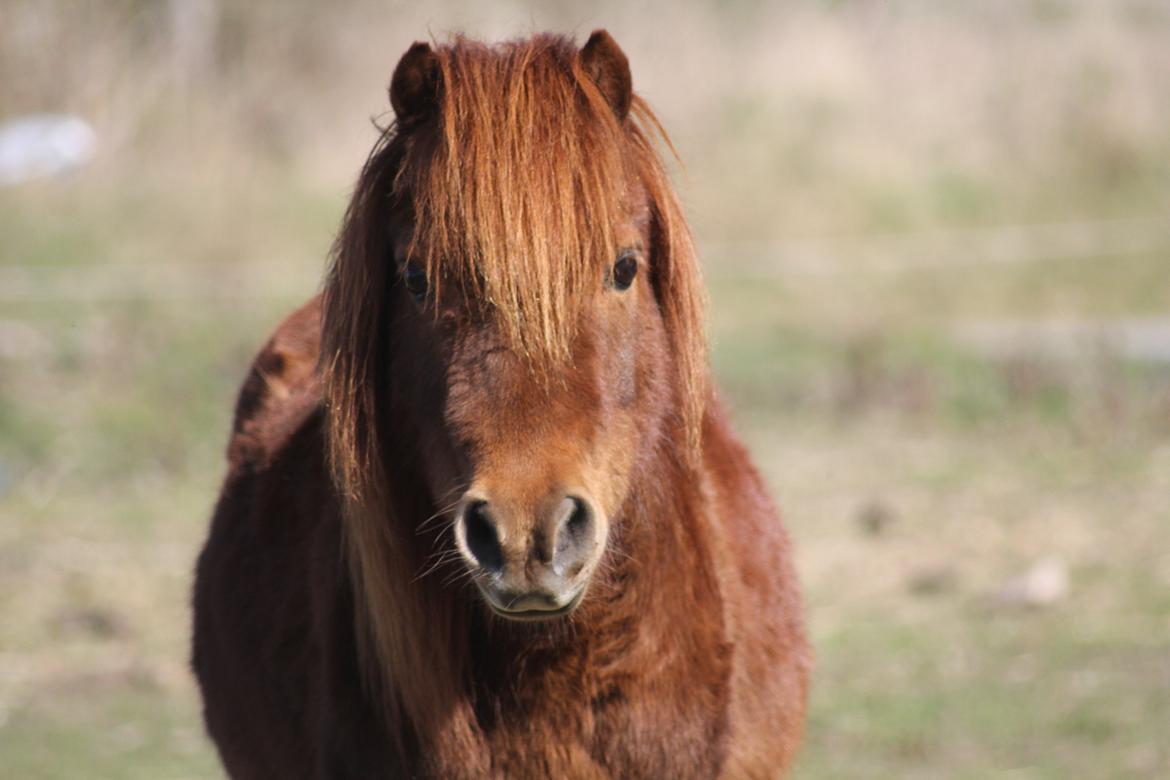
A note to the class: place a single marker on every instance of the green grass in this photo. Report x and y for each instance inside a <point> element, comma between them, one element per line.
<point>107,730</point>
<point>947,682</point>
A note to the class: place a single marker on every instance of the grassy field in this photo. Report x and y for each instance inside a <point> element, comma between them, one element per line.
<point>917,286</point>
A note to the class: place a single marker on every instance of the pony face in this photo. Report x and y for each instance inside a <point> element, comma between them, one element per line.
<point>515,302</point>
<point>537,457</point>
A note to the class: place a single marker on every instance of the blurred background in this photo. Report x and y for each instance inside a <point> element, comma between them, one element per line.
<point>937,238</point>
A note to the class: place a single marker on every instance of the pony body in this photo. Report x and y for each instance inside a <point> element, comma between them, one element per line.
<point>484,516</point>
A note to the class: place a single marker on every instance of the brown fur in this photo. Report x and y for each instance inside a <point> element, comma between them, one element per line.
<point>337,633</point>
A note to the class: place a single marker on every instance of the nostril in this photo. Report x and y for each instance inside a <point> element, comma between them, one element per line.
<point>481,538</point>
<point>576,527</point>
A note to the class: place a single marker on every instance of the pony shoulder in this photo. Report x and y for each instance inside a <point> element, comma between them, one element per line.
<point>282,390</point>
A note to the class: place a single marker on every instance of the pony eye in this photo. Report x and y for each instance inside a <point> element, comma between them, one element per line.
<point>624,271</point>
<point>416,281</point>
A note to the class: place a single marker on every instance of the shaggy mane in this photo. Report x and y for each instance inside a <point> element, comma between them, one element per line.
<point>512,186</point>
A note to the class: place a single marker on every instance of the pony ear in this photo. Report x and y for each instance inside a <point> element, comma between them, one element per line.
<point>606,64</point>
<point>414,88</point>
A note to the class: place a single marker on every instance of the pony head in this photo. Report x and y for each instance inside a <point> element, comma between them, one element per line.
<point>513,320</point>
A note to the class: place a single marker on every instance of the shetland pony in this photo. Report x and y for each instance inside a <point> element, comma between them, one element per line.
<point>484,516</point>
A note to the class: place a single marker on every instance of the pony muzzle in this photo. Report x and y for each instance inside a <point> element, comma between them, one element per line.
<point>531,565</point>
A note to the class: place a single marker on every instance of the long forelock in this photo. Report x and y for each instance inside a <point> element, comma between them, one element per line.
<point>517,187</point>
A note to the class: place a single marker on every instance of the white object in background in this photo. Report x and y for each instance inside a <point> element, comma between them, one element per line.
<point>1045,582</point>
<point>42,145</point>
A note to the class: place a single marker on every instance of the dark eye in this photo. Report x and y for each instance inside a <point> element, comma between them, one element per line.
<point>416,281</point>
<point>624,271</point>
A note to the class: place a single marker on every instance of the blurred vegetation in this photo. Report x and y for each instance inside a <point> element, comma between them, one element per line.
<point>937,236</point>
